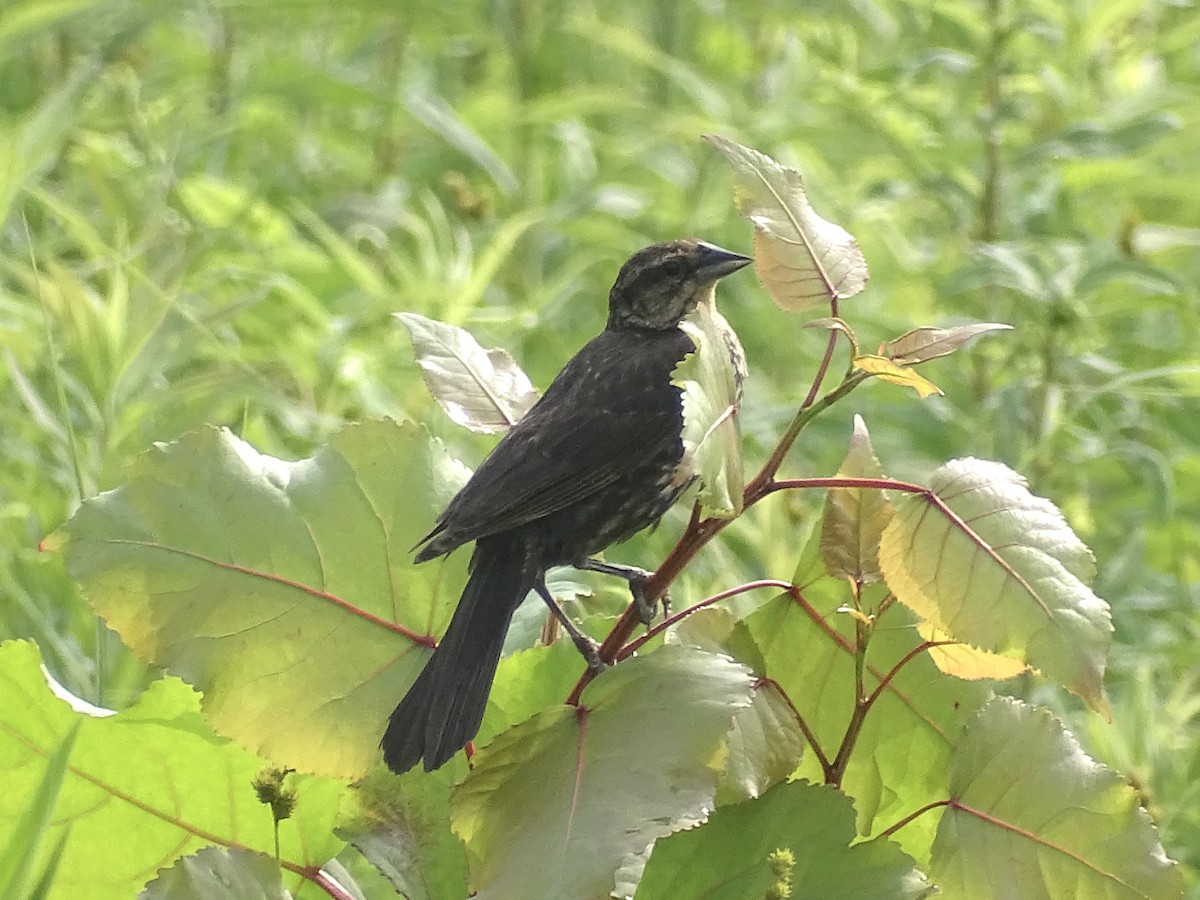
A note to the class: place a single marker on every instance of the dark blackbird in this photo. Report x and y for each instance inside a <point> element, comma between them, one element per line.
<point>597,459</point>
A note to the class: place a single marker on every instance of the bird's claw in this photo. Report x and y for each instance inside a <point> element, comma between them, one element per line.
<point>646,610</point>
<point>591,654</point>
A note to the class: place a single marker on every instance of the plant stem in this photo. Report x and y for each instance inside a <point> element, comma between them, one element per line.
<point>888,832</point>
<point>803,725</point>
<point>327,883</point>
<point>634,645</point>
<point>862,638</point>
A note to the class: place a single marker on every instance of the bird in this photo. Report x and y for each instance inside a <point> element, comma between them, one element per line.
<point>598,458</point>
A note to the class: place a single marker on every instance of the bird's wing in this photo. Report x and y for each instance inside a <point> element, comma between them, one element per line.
<point>607,413</point>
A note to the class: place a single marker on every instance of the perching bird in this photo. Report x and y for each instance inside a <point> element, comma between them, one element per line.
<point>597,459</point>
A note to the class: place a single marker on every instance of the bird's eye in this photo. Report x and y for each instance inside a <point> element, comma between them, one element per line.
<point>673,268</point>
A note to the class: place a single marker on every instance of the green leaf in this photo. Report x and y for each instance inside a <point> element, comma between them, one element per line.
<point>903,751</point>
<point>765,745</point>
<point>401,824</point>
<point>483,390</point>
<point>23,20</point>
<point>855,517</point>
<point>145,786</point>
<point>1033,816</point>
<point>439,117</point>
<point>765,741</point>
<point>217,873</point>
<point>282,590</point>
<point>729,856</point>
<point>34,144</point>
<point>527,682</point>
<point>18,862</point>
<point>712,389</point>
<point>556,804</point>
<point>926,343</point>
<point>802,260</point>
<point>998,568</point>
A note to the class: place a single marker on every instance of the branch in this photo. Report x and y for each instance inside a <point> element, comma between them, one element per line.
<point>700,531</point>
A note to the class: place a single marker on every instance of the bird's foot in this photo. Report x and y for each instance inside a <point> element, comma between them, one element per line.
<point>646,609</point>
<point>590,651</point>
<point>636,579</point>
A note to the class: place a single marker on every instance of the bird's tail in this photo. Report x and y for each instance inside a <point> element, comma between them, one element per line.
<point>443,708</point>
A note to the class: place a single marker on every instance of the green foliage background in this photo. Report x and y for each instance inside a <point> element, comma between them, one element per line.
<point>209,210</point>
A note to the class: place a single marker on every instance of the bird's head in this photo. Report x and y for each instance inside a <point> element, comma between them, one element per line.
<point>661,284</point>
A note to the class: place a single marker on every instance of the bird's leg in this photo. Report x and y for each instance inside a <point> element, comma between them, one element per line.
<point>584,644</point>
<point>636,578</point>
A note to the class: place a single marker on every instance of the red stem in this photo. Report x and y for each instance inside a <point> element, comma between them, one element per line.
<point>808,733</point>
<point>888,832</point>
<point>635,645</point>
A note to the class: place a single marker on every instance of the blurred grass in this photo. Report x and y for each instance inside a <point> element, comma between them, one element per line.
<point>208,211</point>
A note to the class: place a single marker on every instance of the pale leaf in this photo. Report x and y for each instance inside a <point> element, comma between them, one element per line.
<point>712,388</point>
<point>483,390</point>
<point>926,343</point>
<point>1034,816</point>
<point>802,260</point>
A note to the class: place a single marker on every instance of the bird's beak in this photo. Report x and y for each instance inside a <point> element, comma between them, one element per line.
<point>716,262</point>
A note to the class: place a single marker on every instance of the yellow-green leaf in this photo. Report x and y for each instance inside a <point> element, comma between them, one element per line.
<point>855,517</point>
<point>998,568</point>
<point>966,662</point>
<point>884,368</point>
<point>145,786</point>
<point>285,591</point>
<point>1034,816</point>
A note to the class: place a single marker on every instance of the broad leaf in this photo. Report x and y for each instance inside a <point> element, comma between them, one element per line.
<point>802,260</point>
<point>900,758</point>
<point>729,857</point>
<point>527,682</point>
<point>765,744</point>
<point>401,824</point>
<point>855,517</point>
<point>556,804</point>
<point>145,786</point>
<point>284,591</point>
<point>1033,816</point>
<point>765,741</point>
<point>886,370</point>
<point>216,873</point>
<point>996,567</point>
<point>483,390</point>
<point>926,343</point>
<point>712,389</point>
<point>903,751</point>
